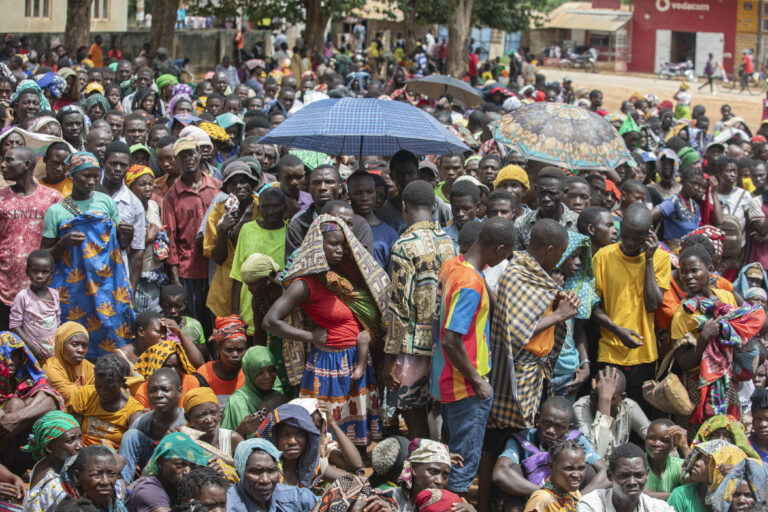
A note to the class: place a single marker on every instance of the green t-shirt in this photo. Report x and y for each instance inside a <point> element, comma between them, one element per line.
<point>193,329</point>
<point>686,499</point>
<point>439,192</point>
<point>670,479</point>
<point>97,203</point>
<point>255,239</point>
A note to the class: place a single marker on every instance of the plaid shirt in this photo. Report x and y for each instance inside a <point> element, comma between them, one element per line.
<point>416,260</point>
<point>525,224</point>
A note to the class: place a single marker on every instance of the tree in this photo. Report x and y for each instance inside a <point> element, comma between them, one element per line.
<point>78,25</point>
<point>163,24</point>
<point>313,13</point>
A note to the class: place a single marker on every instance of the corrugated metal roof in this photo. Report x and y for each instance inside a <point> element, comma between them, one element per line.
<point>579,16</point>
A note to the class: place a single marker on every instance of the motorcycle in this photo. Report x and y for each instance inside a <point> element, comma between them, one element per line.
<point>684,69</point>
<point>575,60</point>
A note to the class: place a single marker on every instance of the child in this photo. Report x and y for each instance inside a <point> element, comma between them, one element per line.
<point>173,302</point>
<point>35,313</point>
<point>577,193</point>
<point>681,211</point>
<point>757,297</point>
<point>468,235</point>
<point>206,486</point>
<point>759,437</point>
<point>568,466</point>
<point>664,470</point>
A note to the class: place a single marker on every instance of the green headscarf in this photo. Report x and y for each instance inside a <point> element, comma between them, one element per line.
<point>176,445</point>
<point>628,126</point>
<point>732,425</point>
<point>688,156</point>
<point>165,80</point>
<point>247,399</point>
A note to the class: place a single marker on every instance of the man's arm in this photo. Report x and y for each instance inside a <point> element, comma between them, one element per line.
<point>135,264</point>
<point>456,353</point>
<point>508,477</point>
<point>653,295</point>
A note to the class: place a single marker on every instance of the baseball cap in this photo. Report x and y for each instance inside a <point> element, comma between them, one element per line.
<point>184,144</point>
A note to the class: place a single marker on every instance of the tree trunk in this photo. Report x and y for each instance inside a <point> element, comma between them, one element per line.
<point>317,20</point>
<point>409,26</point>
<point>163,25</point>
<point>78,25</point>
<point>458,38</point>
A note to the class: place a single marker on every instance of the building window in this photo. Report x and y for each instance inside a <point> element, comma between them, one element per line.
<point>36,8</point>
<point>100,9</point>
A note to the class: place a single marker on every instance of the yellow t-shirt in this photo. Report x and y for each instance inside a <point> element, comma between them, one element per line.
<point>64,186</point>
<point>99,424</point>
<point>619,281</point>
<point>683,322</point>
<point>220,295</point>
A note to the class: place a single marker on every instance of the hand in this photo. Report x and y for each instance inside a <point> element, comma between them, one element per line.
<point>292,208</point>
<point>678,435</point>
<point>580,377</point>
<point>482,389</point>
<point>607,383</point>
<point>710,329</point>
<point>152,232</point>
<point>73,238</point>
<point>213,463</point>
<point>250,424</point>
<point>629,338</point>
<point>124,234</point>
<point>565,306</point>
<point>10,424</point>
<point>10,492</point>
<point>372,503</point>
<point>172,326</point>
<point>388,374</point>
<point>758,238</point>
<point>358,372</point>
<point>724,468</point>
<point>226,223</point>
<point>38,352</point>
<point>319,336</point>
<point>713,183</point>
<point>457,460</point>
<point>651,244</point>
<point>323,408</point>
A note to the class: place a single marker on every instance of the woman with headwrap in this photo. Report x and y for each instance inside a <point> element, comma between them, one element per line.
<point>202,412</point>
<point>71,93</point>
<point>234,127</point>
<point>260,380</point>
<point>727,428</point>
<point>174,456</point>
<point>745,485</point>
<point>704,469</point>
<point>80,232</point>
<point>28,101</point>
<point>222,144</point>
<point>92,474</point>
<point>166,354</point>
<point>55,437</point>
<point>339,285</point>
<point>52,85</point>
<point>147,100</point>
<point>751,275</point>
<point>181,104</point>
<point>68,370</point>
<point>667,165</point>
<point>224,375</point>
<point>96,106</point>
<point>259,489</point>
<point>45,125</point>
<point>427,467</point>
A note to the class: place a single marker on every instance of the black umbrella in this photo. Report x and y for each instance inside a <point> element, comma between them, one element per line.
<point>434,86</point>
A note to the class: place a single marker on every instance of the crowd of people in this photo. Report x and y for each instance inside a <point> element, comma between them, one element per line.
<point>194,320</point>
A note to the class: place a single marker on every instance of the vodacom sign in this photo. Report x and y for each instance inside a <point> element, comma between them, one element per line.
<point>665,5</point>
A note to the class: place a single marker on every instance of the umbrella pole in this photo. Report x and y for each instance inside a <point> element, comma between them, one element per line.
<point>360,156</point>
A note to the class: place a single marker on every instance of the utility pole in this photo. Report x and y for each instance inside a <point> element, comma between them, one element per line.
<point>759,49</point>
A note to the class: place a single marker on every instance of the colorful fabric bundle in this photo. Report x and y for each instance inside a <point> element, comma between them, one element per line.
<point>737,327</point>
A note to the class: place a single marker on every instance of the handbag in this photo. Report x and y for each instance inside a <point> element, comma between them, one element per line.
<point>667,393</point>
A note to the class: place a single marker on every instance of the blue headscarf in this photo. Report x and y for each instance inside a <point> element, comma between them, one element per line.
<point>53,82</point>
<point>296,416</point>
<point>741,285</point>
<point>583,281</point>
<point>246,448</point>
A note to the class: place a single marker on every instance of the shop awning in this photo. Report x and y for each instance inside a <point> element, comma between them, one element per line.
<point>598,20</point>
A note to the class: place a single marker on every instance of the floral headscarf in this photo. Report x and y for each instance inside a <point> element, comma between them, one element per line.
<point>750,470</point>
<point>26,86</point>
<point>228,328</point>
<point>177,98</point>
<point>719,452</point>
<point>583,281</point>
<point>155,356</point>
<point>54,83</point>
<point>182,89</point>
<point>215,132</point>
<point>423,451</point>
<point>733,426</point>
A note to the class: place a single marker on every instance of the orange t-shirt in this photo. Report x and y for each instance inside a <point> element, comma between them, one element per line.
<point>675,295</point>
<point>187,383</point>
<point>96,55</point>
<point>541,344</point>
<point>222,388</point>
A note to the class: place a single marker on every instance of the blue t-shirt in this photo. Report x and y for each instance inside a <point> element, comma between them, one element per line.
<point>680,216</point>
<point>383,239</point>
<point>568,360</point>
<point>513,450</point>
<point>761,453</point>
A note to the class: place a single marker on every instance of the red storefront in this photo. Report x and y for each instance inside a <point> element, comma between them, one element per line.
<point>676,30</point>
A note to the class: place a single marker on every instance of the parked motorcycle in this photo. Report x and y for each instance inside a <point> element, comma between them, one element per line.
<point>577,61</point>
<point>683,69</point>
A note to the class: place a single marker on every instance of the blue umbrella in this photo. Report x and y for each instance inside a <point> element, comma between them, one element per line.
<point>364,126</point>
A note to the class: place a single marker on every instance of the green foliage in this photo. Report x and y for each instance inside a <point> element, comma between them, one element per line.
<point>293,11</point>
<point>500,14</point>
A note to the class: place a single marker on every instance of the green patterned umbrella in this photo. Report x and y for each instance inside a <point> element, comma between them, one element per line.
<point>563,135</point>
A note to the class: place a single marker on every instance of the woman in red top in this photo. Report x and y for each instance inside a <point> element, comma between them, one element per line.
<point>224,375</point>
<point>342,289</point>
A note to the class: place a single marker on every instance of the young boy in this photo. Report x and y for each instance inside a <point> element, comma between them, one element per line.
<point>35,313</point>
<point>173,302</point>
<point>664,469</point>
<point>681,211</point>
<point>577,193</point>
<point>461,357</point>
<point>206,486</point>
<point>759,437</point>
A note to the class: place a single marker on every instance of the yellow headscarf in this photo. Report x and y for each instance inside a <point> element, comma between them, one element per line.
<point>57,368</point>
<point>155,356</point>
<point>135,172</point>
<point>197,396</point>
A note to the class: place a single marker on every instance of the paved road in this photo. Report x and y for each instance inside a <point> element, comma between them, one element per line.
<point>618,87</point>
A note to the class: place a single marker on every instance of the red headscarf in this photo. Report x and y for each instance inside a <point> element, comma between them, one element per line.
<point>228,328</point>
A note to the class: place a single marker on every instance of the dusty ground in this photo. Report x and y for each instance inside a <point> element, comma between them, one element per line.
<point>619,87</point>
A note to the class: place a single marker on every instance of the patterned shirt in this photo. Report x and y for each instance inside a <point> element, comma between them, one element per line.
<point>416,260</point>
<point>525,223</point>
<point>464,309</point>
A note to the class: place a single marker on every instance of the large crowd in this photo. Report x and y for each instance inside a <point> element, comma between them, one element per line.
<point>194,320</point>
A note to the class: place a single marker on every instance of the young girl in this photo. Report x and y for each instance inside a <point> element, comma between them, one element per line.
<point>664,475</point>
<point>681,211</point>
<point>35,313</point>
<point>560,493</point>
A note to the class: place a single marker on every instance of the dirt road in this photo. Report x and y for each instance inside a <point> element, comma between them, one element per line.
<point>619,87</point>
